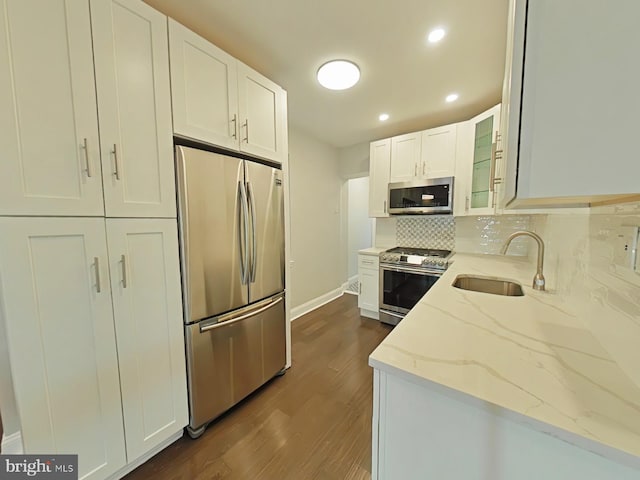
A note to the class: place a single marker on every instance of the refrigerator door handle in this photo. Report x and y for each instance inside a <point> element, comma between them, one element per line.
<point>243,227</point>
<point>269,304</point>
<point>254,251</point>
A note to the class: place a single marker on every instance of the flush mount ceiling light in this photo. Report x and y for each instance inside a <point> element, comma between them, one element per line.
<point>436,35</point>
<point>338,74</point>
<point>452,97</point>
<point>383,117</point>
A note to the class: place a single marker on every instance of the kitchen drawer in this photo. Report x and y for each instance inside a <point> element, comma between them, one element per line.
<point>368,261</point>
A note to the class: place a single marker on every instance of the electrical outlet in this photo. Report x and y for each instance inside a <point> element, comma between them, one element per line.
<point>626,250</point>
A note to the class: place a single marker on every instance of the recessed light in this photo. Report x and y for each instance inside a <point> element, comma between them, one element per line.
<point>436,35</point>
<point>338,74</point>
<point>452,97</point>
<point>383,117</point>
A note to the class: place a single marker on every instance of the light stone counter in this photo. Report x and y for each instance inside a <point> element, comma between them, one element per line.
<point>373,251</point>
<point>530,356</point>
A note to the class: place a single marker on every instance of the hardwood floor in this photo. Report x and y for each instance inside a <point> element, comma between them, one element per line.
<point>312,423</point>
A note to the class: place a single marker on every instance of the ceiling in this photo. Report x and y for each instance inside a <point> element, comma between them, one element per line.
<point>401,73</point>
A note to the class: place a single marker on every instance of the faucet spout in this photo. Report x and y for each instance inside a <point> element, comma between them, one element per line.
<point>538,280</point>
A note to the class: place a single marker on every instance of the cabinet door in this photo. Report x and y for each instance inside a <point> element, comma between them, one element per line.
<point>439,151</point>
<point>204,89</point>
<point>368,297</point>
<point>59,325</point>
<point>379,164</point>
<point>262,107</point>
<point>145,281</point>
<point>405,157</point>
<point>132,78</point>
<point>485,131</point>
<point>49,128</point>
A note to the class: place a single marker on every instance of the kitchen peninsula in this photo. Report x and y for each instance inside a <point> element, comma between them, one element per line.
<point>473,385</point>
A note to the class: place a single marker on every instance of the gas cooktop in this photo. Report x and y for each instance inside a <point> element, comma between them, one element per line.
<point>417,257</point>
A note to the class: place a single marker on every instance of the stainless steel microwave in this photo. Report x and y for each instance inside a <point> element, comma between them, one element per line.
<point>422,197</point>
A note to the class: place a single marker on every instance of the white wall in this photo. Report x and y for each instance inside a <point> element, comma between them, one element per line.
<point>354,161</point>
<point>317,249</point>
<point>358,222</point>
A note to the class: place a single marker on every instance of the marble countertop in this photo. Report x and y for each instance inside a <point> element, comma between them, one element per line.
<point>372,251</point>
<point>531,356</point>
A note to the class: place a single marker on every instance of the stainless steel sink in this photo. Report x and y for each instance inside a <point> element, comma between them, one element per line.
<point>494,286</point>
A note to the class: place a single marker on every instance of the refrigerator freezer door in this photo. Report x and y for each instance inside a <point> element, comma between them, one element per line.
<point>227,360</point>
<point>212,219</point>
<point>264,190</point>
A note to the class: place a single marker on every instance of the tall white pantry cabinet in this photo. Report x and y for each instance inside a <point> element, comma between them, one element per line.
<point>90,297</point>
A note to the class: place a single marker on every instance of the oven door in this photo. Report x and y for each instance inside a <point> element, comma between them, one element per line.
<point>402,287</point>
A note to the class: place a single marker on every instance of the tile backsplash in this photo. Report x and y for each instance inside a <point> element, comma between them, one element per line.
<point>463,234</point>
<point>433,231</point>
<point>486,234</point>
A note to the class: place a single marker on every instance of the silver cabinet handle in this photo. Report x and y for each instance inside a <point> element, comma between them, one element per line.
<point>466,203</point>
<point>424,169</point>
<point>415,170</point>
<point>96,265</point>
<point>115,160</point>
<point>359,287</point>
<point>254,250</point>
<point>493,167</point>
<point>385,206</point>
<point>125,281</point>
<point>246,126</point>
<point>235,126</point>
<point>86,157</point>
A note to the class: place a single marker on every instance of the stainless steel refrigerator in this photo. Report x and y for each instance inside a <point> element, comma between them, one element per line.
<point>232,253</point>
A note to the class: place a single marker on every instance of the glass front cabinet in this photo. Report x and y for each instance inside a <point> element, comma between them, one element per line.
<point>481,196</point>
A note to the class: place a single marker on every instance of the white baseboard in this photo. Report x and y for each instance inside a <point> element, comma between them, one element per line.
<point>311,305</point>
<point>12,444</point>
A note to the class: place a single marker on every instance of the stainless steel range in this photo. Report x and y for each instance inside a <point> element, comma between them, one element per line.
<point>406,274</point>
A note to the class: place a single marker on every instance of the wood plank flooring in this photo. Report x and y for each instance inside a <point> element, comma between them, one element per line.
<point>312,423</point>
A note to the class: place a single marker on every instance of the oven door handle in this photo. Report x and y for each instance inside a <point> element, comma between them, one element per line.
<point>419,271</point>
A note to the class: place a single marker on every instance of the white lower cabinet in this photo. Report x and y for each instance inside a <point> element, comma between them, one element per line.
<point>84,379</point>
<point>147,305</point>
<point>368,281</point>
<point>422,430</point>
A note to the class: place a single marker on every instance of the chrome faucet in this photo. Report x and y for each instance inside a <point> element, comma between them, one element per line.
<point>538,280</point>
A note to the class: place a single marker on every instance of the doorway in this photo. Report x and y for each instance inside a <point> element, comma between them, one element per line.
<point>359,226</point>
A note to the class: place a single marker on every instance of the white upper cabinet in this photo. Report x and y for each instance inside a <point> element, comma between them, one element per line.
<point>379,165</point>
<point>54,162</point>
<point>132,78</point>
<point>48,122</point>
<point>59,323</point>
<point>427,154</point>
<point>147,302</point>
<point>204,89</point>
<point>405,157</point>
<point>219,100</point>
<point>438,156</point>
<point>572,92</point>
<point>262,111</point>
